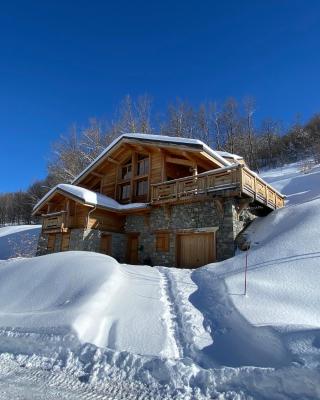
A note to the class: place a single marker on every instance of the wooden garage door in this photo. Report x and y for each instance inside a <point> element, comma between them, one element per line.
<point>195,249</point>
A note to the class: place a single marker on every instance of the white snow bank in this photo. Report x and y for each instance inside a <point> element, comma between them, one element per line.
<point>89,197</point>
<point>18,241</point>
<point>87,294</point>
<point>278,321</point>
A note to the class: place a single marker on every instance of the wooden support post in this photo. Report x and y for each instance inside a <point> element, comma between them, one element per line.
<point>116,182</point>
<point>133,170</point>
<point>149,179</point>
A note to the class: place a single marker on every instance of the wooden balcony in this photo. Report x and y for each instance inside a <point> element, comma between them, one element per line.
<point>55,222</point>
<point>236,179</point>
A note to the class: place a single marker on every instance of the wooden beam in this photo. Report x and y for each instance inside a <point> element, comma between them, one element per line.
<point>205,164</point>
<point>133,169</point>
<point>96,174</point>
<point>208,157</point>
<point>113,161</point>
<point>180,161</point>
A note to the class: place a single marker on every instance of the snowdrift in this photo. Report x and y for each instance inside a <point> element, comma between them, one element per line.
<point>280,313</point>
<point>86,297</point>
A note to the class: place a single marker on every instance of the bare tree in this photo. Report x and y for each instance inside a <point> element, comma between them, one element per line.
<point>135,116</point>
<point>249,109</point>
<point>230,124</point>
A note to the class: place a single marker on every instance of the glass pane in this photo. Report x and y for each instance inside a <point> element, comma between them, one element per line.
<point>125,192</point>
<point>126,172</point>
<point>143,167</point>
<point>142,188</point>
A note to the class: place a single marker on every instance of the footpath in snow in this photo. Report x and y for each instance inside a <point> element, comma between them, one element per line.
<point>174,334</point>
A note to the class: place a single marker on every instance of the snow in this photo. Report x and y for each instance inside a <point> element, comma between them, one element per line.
<point>155,138</point>
<point>89,197</point>
<point>86,294</point>
<point>140,332</point>
<point>18,240</point>
<point>229,155</point>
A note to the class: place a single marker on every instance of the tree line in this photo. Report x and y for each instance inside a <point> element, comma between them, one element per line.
<point>231,126</point>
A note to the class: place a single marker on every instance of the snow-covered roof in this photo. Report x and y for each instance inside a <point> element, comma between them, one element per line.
<point>90,198</point>
<point>157,138</point>
<point>229,155</point>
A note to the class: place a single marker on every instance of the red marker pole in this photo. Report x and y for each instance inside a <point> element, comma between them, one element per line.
<point>245,274</point>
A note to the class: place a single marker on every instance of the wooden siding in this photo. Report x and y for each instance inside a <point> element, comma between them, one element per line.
<point>156,167</point>
<point>108,182</point>
<point>106,221</point>
<point>163,163</point>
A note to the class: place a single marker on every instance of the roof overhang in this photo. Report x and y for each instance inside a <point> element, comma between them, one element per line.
<point>57,190</point>
<point>159,141</point>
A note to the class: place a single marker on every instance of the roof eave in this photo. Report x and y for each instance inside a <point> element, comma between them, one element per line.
<point>125,137</point>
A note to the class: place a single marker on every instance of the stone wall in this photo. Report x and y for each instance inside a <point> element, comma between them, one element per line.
<point>222,215</point>
<point>86,240</point>
<point>42,245</point>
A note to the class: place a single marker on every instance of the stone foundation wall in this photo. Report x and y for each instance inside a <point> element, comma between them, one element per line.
<point>201,215</point>
<point>42,245</point>
<point>86,240</point>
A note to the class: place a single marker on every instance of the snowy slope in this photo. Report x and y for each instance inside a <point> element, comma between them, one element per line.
<point>177,334</point>
<point>282,300</point>
<point>18,241</point>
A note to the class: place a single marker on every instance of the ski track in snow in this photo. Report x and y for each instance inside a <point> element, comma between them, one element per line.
<point>170,317</point>
<point>187,321</point>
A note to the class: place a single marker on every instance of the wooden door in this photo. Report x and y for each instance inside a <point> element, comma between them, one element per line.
<point>51,242</point>
<point>65,241</point>
<point>195,249</point>
<point>106,244</point>
<point>132,249</point>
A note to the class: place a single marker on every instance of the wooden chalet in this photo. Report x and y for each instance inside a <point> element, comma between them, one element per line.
<point>156,200</point>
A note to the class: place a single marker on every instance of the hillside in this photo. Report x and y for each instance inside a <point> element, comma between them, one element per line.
<point>18,241</point>
<point>125,331</point>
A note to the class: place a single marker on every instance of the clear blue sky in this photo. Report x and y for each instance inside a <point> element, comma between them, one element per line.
<point>66,61</point>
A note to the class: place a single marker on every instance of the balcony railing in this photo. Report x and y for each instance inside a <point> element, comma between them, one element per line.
<point>55,222</point>
<point>236,178</point>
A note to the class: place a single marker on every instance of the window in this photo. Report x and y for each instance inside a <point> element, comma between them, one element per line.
<point>126,171</point>
<point>162,242</point>
<point>142,187</point>
<point>143,165</point>
<point>125,191</point>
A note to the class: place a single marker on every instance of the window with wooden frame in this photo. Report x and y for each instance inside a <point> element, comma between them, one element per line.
<point>141,188</point>
<point>125,191</point>
<point>126,171</point>
<point>162,242</point>
<point>142,165</point>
